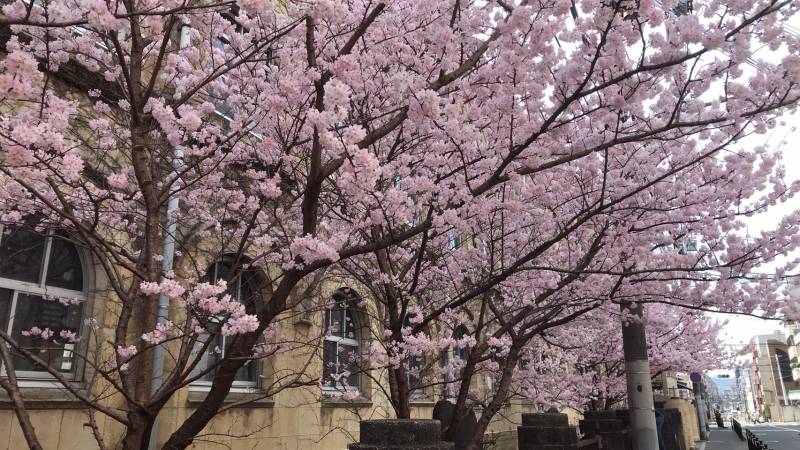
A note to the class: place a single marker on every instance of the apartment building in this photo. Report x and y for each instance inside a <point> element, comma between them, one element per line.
<point>773,379</point>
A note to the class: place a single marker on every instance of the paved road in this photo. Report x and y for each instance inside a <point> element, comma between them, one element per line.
<point>724,439</point>
<point>777,436</point>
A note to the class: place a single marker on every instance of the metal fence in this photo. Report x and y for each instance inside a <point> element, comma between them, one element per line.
<point>753,442</point>
<point>737,427</point>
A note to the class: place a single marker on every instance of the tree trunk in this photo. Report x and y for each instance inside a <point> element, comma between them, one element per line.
<point>399,390</point>
<point>208,408</point>
<point>459,411</point>
<point>137,435</point>
<point>498,399</point>
<point>241,349</point>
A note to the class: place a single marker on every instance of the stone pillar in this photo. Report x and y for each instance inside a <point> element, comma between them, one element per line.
<point>401,434</point>
<point>672,432</point>
<point>608,426</point>
<point>546,431</point>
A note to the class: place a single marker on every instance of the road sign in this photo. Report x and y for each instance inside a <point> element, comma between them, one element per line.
<point>794,395</point>
<point>695,377</point>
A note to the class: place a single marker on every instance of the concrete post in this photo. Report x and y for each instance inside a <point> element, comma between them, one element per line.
<point>401,434</point>
<point>644,434</point>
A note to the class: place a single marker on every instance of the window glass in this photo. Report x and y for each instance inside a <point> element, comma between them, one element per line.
<point>414,367</point>
<point>461,353</point>
<point>219,97</point>
<point>335,322</point>
<point>26,304</point>
<point>6,295</point>
<point>349,363</point>
<point>340,359</point>
<point>64,266</point>
<point>329,366</point>
<point>21,254</point>
<point>34,311</point>
<point>349,328</point>
<point>216,351</point>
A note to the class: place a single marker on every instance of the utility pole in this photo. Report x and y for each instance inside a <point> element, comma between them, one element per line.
<point>644,434</point>
<point>702,412</point>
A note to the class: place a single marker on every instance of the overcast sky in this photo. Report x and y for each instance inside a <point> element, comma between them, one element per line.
<point>785,139</point>
<point>741,329</point>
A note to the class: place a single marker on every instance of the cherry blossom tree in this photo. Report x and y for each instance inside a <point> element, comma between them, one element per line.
<point>496,167</point>
<point>587,358</point>
<point>632,224</point>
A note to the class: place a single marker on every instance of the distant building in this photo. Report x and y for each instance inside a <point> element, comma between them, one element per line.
<point>744,383</point>
<point>773,378</point>
<point>793,342</point>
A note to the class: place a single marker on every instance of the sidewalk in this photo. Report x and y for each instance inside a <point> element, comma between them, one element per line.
<point>722,439</point>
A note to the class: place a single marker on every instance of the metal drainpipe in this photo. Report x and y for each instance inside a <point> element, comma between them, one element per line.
<point>169,257</point>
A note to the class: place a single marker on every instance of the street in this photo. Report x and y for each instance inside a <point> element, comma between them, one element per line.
<point>777,436</point>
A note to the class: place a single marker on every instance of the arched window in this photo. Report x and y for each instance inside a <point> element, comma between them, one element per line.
<point>342,346</point>
<point>243,286</point>
<point>42,296</point>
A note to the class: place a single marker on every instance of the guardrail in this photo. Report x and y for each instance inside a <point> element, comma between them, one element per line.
<point>754,443</point>
<point>737,428</point>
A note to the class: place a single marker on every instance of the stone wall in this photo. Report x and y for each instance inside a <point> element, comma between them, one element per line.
<point>691,429</point>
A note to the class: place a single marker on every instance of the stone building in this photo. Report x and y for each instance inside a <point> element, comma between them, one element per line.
<point>35,266</point>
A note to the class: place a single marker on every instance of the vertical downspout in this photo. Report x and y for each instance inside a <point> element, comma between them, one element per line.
<point>169,257</point>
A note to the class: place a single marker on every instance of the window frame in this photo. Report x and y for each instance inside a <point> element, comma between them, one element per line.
<point>230,16</point>
<point>415,391</point>
<point>356,343</point>
<point>42,378</point>
<point>453,241</point>
<point>237,385</point>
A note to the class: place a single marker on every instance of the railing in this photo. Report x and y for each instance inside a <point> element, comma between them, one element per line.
<point>754,443</point>
<point>737,427</point>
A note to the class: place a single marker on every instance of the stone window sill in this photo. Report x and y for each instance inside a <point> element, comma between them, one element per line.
<point>359,402</point>
<point>43,398</point>
<point>197,396</point>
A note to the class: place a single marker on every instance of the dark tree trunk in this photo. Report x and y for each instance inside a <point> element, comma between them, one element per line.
<point>399,390</point>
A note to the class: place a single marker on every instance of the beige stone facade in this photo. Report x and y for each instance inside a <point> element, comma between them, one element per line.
<point>295,418</point>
